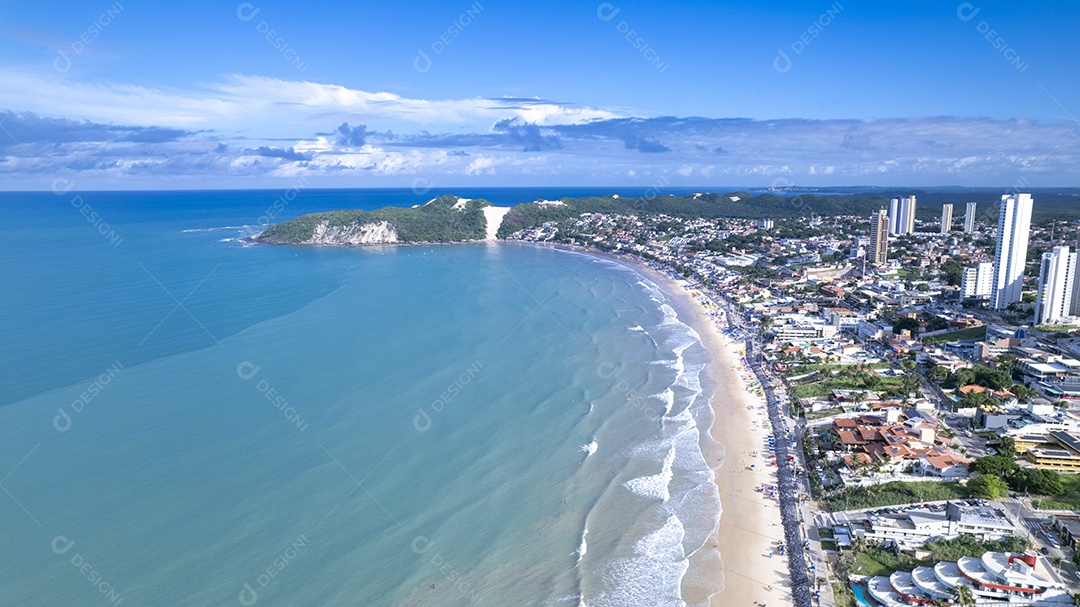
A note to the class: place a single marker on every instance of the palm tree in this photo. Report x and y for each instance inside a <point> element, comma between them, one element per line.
<point>963,596</point>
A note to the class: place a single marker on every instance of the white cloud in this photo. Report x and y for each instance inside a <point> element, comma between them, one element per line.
<point>257,104</point>
<point>481,165</point>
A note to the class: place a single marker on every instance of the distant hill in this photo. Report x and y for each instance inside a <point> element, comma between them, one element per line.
<point>444,219</point>
<point>453,219</point>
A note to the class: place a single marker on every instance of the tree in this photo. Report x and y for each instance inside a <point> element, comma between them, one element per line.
<point>909,324</point>
<point>1006,362</point>
<point>951,272</point>
<point>994,465</point>
<point>1021,391</point>
<point>935,323</point>
<point>960,378</point>
<point>973,399</point>
<point>938,373</point>
<point>963,595</point>
<point>988,487</point>
<point>907,365</point>
<point>1033,480</point>
<point>1007,447</point>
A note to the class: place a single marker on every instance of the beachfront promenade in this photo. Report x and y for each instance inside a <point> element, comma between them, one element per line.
<point>787,483</point>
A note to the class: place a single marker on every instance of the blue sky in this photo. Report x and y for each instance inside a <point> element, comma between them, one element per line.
<point>260,94</point>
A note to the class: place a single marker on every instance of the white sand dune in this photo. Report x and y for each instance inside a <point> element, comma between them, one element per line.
<point>494,217</point>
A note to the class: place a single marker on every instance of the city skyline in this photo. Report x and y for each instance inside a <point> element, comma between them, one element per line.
<point>116,96</point>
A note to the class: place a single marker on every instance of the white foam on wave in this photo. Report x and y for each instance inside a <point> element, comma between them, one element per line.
<point>665,542</point>
<point>583,547</point>
<point>655,486</point>
<point>637,328</point>
<point>652,577</point>
<point>590,448</point>
<point>668,398</point>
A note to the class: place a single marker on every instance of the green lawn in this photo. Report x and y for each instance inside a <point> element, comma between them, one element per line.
<point>1070,500</point>
<point>843,595</point>
<point>878,561</point>
<point>896,492</point>
<point>961,335</point>
<point>811,415</point>
<point>802,369</point>
<point>825,387</point>
<point>1055,328</point>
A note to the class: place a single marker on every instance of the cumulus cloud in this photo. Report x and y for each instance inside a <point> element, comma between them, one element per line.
<point>27,128</point>
<point>526,134</point>
<point>353,136</point>
<point>649,146</point>
<point>929,150</point>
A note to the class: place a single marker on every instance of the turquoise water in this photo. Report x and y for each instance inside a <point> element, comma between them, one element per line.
<point>860,598</point>
<point>190,421</point>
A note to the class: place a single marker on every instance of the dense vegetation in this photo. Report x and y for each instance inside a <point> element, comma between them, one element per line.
<point>436,221</point>
<point>1003,469</point>
<point>896,492</point>
<point>966,545</point>
<point>871,558</point>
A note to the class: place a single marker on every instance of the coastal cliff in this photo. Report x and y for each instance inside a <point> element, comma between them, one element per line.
<point>368,233</point>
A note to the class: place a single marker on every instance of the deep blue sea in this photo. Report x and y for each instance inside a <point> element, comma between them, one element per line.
<point>189,420</point>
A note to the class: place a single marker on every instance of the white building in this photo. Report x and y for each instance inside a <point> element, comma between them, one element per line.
<point>1014,222</point>
<point>946,218</point>
<point>902,215</point>
<point>994,578</point>
<point>917,526</point>
<point>765,224</point>
<point>977,281</point>
<point>1054,298</point>
<point>969,218</point>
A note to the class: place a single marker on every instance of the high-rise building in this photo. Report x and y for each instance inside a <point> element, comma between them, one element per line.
<point>969,218</point>
<point>902,215</point>
<point>879,237</point>
<point>1075,298</point>
<point>977,281</point>
<point>765,224</point>
<point>946,218</point>
<point>1054,299</point>
<point>1014,222</point>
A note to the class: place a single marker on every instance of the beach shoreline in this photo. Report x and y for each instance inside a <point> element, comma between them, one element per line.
<point>754,573</point>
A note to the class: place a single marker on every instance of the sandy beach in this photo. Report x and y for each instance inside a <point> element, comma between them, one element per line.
<point>750,526</point>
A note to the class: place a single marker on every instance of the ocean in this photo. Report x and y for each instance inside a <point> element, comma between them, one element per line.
<point>190,420</point>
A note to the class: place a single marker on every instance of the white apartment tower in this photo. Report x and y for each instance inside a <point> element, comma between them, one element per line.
<point>946,218</point>
<point>902,215</point>
<point>1014,222</point>
<point>1054,299</point>
<point>969,218</point>
<point>977,281</point>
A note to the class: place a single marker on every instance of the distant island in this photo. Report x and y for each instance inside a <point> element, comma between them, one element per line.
<point>455,219</point>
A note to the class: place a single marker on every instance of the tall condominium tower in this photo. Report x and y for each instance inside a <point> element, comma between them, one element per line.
<point>1014,222</point>
<point>902,215</point>
<point>1054,299</point>
<point>969,218</point>
<point>879,237</point>
<point>946,218</point>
